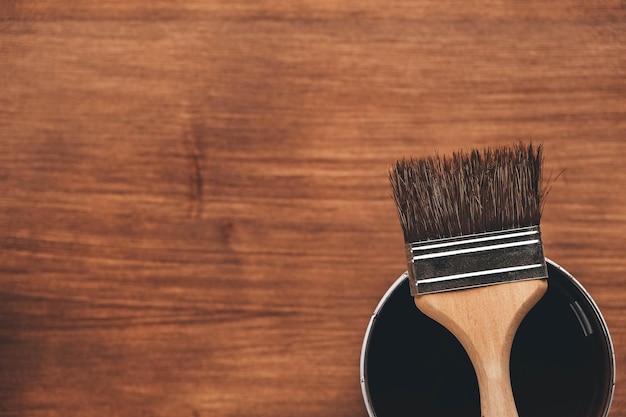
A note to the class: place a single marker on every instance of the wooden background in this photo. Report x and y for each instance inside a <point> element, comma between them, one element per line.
<point>195,218</point>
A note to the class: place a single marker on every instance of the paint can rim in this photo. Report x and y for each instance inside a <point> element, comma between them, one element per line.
<point>571,279</point>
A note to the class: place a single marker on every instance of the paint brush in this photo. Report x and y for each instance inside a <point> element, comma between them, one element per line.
<point>474,253</point>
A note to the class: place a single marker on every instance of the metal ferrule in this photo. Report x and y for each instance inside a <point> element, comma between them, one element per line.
<point>475,260</point>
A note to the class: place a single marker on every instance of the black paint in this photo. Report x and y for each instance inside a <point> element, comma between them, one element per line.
<point>415,367</point>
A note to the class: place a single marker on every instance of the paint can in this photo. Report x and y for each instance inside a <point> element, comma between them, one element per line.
<point>562,359</point>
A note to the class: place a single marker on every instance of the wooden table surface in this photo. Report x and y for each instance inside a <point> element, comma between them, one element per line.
<point>195,218</point>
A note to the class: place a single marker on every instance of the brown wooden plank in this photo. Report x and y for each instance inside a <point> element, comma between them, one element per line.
<point>309,9</point>
<point>194,211</point>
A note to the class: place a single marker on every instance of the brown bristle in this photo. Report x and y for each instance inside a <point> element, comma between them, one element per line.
<point>469,192</point>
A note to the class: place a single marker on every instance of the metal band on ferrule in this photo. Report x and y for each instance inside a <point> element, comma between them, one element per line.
<point>475,260</point>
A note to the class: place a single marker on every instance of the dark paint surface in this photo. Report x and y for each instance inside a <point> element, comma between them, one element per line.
<point>560,361</point>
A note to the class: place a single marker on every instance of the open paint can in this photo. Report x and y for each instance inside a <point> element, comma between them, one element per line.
<point>562,360</point>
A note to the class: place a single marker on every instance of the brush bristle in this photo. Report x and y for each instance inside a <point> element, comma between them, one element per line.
<point>469,192</point>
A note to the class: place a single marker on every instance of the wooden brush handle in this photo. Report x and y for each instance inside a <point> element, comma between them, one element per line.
<point>485,321</point>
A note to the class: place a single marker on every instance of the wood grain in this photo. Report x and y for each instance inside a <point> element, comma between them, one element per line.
<point>195,218</point>
<point>487,337</point>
